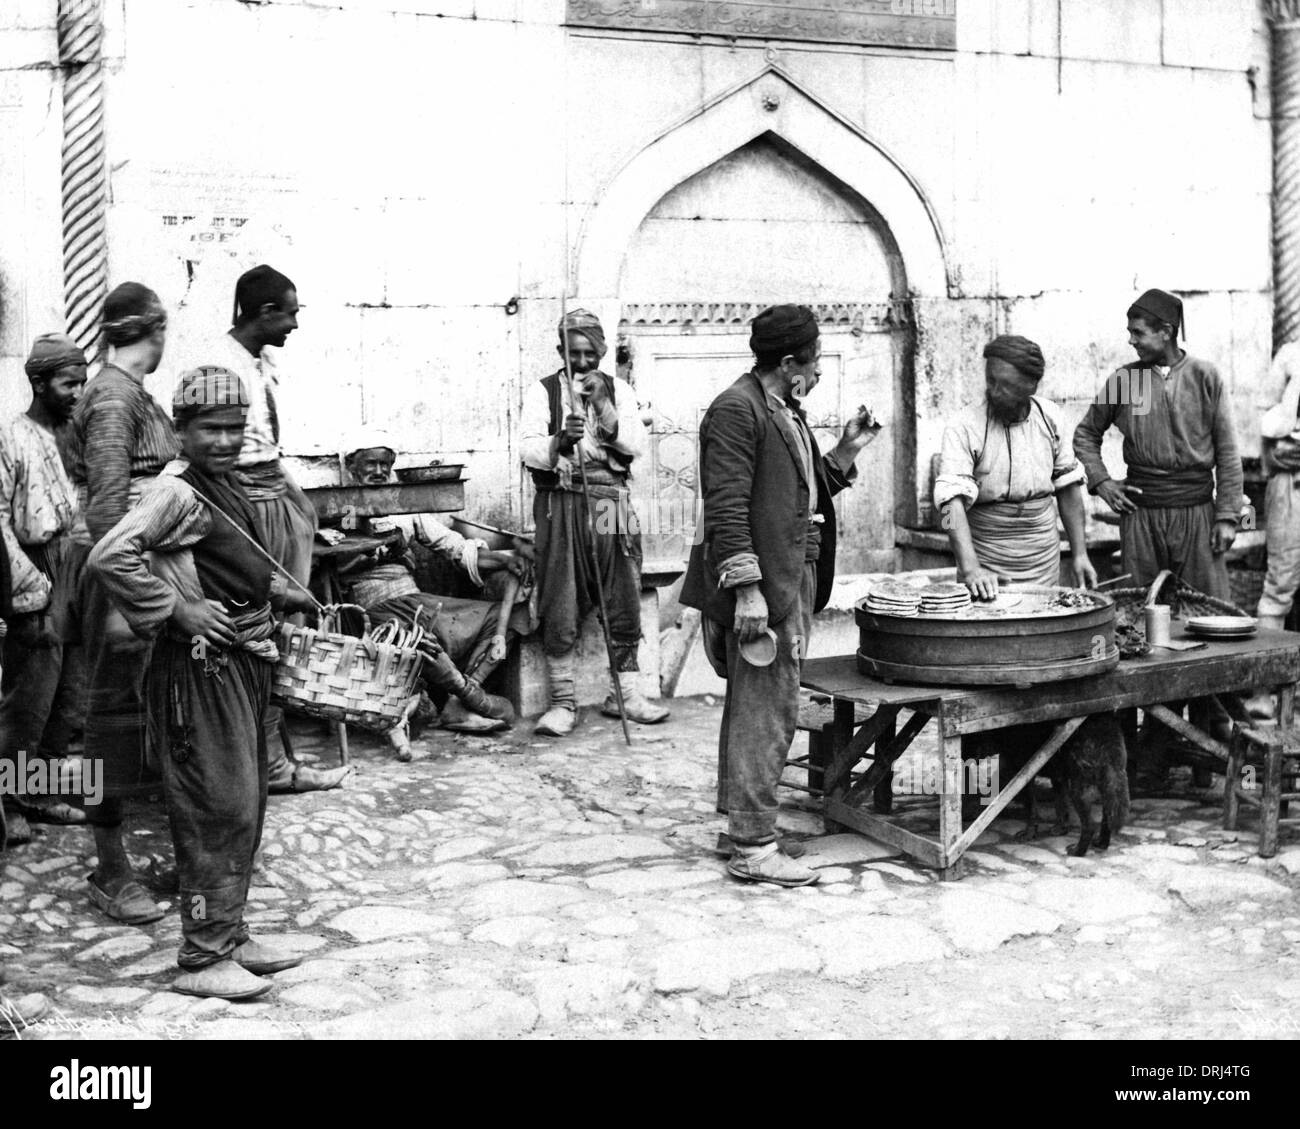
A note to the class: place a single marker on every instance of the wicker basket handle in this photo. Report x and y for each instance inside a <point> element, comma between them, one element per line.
<point>330,620</point>
<point>1154,591</point>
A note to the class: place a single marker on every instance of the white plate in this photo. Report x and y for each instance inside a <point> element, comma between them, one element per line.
<point>1218,624</point>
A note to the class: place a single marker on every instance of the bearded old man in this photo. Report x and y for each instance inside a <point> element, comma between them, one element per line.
<point>1006,469</point>
<point>44,683</point>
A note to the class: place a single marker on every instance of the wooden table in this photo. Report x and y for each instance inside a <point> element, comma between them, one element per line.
<point>1270,658</point>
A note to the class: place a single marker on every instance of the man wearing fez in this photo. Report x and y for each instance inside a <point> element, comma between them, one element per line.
<point>763,563</point>
<point>265,313</point>
<point>43,696</point>
<point>598,415</point>
<point>1181,502</point>
<point>206,601</point>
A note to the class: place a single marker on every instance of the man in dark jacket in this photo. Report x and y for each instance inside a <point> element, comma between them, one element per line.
<point>763,563</point>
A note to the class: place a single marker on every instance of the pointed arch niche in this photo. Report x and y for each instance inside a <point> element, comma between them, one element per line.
<point>766,195</point>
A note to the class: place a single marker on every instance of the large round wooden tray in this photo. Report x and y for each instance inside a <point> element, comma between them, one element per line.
<point>1011,649</point>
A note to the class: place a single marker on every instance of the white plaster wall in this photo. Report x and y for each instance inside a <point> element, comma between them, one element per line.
<point>409,165</point>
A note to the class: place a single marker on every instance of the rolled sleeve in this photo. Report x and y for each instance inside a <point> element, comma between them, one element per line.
<point>956,477</point>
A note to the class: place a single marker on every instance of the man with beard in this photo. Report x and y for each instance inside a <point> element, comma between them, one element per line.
<point>459,630</point>
<point>597,414</point>
<point>43,696</point>
<point>265,313</point>
<point>1006,467</point>
<point>1180,505</point>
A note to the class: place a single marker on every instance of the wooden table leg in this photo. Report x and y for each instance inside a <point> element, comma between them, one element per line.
<point>950,826</point>
<point>840,734</point>
<point>341,731</point>
<point>1232,780</point>
<point>1271,801</point>
<point>882,799</point>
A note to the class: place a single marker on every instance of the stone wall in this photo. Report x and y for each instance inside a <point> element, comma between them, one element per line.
<point>416,166</point>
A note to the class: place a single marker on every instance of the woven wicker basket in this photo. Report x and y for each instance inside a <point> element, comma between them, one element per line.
<point>1247,586</point>
<point>341,677</point>
<point>1183,599</point>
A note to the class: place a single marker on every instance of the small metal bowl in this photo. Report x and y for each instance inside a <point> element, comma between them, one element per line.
<point>435,472</point>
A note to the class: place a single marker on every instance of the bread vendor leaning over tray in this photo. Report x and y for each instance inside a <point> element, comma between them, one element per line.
<point>1006,467</point>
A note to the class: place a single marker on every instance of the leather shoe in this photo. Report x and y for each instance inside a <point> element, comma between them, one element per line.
<point>639,709</point>
<point>131,905</point>
<point>558,721</point>
<point>308,779</point>
<point>770,864</point>
<point>225,980</point>
<point>459,718</point>
<point>261,958</point>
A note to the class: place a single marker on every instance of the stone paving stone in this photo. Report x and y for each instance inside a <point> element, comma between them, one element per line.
<point>509,931</point>
<point>579,989</point>
<point>711,965</point>
<point>838,850</point>
<point>452,1014</point>
<point>981,922</point>
<point>329,995</point>
<point>598,848</point>
<point>853,946</point>
<point>117,948</point>
<point>520,897</point>
<point>1092,900</point>
<point>375,922</point>
<point>900,872</point>
<point>455,874</point>
<point>1202,888</point>
<point>625,883</point>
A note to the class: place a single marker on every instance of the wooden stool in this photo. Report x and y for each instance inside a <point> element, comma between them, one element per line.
<point>1277,753</point>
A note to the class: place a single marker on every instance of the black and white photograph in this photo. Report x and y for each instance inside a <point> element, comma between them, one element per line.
<point>650,521</point>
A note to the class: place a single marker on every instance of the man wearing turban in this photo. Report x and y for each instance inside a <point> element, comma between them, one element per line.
<point>1180,504</point>
<point>1005,469</point>
<point>459,631</point>
<point>763,563</point>
<point>43,693</point>
<point>596,414</point>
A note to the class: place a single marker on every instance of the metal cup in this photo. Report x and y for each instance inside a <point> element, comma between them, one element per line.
<point>1157,622</point>
<point>760,651</point>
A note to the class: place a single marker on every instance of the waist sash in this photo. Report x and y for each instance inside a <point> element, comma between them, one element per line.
<point>262,482</point>
<point>1172,488</point>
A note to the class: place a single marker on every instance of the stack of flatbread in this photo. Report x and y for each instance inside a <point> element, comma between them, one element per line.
<point>945,599</point>
<point>890,597</point>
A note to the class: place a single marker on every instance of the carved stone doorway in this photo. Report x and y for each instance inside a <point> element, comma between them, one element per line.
<point>760,226</point>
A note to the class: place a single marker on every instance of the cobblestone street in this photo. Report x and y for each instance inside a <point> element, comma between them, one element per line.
<point>544,889</point>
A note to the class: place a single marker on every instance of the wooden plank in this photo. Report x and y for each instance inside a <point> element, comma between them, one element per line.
<point>885,758</point>
<point>846,756</point>
<point>1011,790</point>
<point>876,827</point>
<point>380,501</point>
<point>1180,725</point>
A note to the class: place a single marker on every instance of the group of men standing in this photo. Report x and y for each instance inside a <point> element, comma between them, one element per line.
<point>131,534</point>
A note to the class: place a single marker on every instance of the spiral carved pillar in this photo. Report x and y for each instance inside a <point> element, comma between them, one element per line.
<point>85,246</point>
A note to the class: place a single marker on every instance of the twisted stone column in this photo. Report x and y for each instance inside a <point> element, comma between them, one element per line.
<point>85,246</point>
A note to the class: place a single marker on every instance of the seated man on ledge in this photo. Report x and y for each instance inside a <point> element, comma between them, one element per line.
<point>467,639</point>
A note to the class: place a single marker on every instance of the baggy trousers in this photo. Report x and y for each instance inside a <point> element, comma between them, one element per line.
<point>1282,510</point>
<point>209,736</point>
<point>42,695</point>
<point>759,717</point>
<point>1177,538</point>
<point>289,525</point>
<point>566,581</point>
